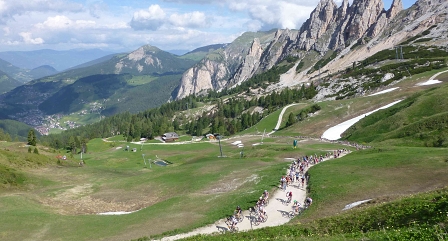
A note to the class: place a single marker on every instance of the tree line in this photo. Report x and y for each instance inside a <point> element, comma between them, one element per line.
<point>229,117</point>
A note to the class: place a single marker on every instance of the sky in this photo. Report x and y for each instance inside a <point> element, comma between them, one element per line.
<point>125,25</point>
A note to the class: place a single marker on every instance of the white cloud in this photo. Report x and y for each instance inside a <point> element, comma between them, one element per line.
<point>9,9</point>
<point>151,19</point>
<point>253,25</point>
<point>28,39</point>
<point>6,31</point>
<point>194,19</point>
<point>174,24</point>
<point>56,22</point>
<point>61,22</point>
<point>274,13</point>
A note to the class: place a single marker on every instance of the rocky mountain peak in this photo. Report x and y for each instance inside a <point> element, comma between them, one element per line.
<point>319,22</point>
<point>329,27</point>
<point>397,6</point>
<point>364,14</point>
<point>342,11</point>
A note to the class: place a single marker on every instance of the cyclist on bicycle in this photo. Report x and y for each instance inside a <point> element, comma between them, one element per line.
<point>233,222</point>
<point>261,212</point>
<point>308,201</point>
<point>260,202</point>
<point>265,195</point>
<point>238,211</point>
<point>296,206</point>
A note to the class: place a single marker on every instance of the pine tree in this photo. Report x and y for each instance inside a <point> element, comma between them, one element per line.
<point>31,138</point>
<point>36,151</point>
<point>291,119</point>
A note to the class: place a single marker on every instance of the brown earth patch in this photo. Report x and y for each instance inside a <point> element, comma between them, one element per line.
<point>229,183</point>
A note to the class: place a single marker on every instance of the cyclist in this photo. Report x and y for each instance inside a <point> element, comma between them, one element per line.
<point>261,212</point>
<point>289,196</point>
<point>233,222</point>
<point>296,206</point>
<point>308,201</point>
<point>260,201</point>
<point>238,212</point>
<point>265,195</point>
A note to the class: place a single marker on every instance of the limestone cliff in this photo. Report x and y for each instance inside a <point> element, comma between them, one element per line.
<point>329,27</point>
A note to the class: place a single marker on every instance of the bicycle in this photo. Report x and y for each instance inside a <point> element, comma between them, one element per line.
<point>239,217</point>
<point>253,211</point>
<point>230,227</point>
<point>294,213</point>
<point>266,202</point>
<point>288,201</point>
<point>259,219</point>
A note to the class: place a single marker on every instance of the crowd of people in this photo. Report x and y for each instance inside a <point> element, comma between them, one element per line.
<point>297,173</point>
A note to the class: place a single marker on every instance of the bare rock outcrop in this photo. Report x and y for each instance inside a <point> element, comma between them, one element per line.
<point>249,65</point>
<point>397,6</point>
<point>329,27</point>
<point>320,21</point>
<point>205,76</point>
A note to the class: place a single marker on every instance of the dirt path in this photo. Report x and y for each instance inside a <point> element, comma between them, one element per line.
<point>276,211</point>
<point>280,117</point>
<point>434,76</point>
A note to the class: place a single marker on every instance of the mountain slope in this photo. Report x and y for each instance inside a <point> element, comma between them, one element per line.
<point>15,72</point>
<point>60,60</point>
<point>348,33</point>
<point>7,83</point>
<point>42,71</point>
<point>145,68</point>
<point>200,53</point>
<point>220,66</point>
<point>420,120</point>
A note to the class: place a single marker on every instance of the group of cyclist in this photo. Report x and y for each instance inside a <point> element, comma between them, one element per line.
<point>296,173</point>
<point>259,209</point>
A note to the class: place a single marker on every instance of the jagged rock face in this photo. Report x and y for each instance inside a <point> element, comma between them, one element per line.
<point>397,6</point>
<point>329,28</point>
<point>226,68</point>
<point>202,76</point>
<point>250,63</point>
<point>318,24</point>
<point>364,13</point>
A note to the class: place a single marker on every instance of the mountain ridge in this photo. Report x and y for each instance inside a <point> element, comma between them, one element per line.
<point>329,28</point>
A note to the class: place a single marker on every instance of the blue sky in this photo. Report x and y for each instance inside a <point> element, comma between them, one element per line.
<point>125,25</point>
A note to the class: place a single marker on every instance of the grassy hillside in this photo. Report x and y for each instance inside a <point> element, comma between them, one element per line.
<point>7,83</point>
<point>16,161</point>
<point>420,120</point>
<point>16,129</point>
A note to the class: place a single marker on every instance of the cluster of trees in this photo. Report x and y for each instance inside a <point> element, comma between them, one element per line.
<point>4,136</point>
<point>303,114</point>
<point>231,116</point>
<point>14,130</point>
<point>32,141</point>
<point>260,80</point>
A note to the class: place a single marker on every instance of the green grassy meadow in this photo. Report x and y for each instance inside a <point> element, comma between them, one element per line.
<point>196,189</point>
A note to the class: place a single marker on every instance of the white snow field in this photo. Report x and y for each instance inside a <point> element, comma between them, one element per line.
<point>334,133</point>
<point>384,91</point>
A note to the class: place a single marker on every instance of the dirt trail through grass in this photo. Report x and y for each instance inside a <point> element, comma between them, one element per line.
<point>280,117</point>
<point>277,211</point>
